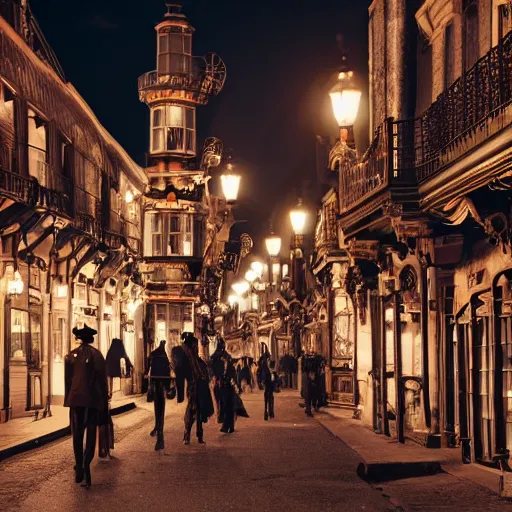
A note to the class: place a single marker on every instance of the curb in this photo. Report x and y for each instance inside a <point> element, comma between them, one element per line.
<point>54,436</point>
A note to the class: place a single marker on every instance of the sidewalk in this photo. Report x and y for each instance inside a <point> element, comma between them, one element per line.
<point>386,459</point>
<point>23,434</point>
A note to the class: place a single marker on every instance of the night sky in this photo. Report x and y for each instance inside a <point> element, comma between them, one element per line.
<point>280,55</point>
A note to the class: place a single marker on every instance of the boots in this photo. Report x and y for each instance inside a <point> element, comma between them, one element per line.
<point>186,438</point>
<point>160,442</point>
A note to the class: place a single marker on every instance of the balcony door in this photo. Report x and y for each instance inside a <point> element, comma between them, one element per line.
<point>37,147</point>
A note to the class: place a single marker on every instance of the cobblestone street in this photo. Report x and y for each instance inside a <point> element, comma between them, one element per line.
<point>291,463</point>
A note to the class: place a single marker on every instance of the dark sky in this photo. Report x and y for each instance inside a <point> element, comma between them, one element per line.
<point>280,56</point>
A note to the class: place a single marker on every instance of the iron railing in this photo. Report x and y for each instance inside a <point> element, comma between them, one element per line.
<point>410,151</point>
<point>87,209</point>
<point>42,186</point>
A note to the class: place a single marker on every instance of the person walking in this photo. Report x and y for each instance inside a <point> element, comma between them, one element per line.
<point>228,392</point>
<point>189,367</point>
<point>159,384</point>
<point>217,366</point>
<point>115,353</point>
<point>265,381</point>
<point>86,394</point>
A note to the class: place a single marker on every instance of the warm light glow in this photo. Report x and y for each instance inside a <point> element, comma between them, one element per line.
<point>233,299</point>
<point>230,184</point>
<point>273,243</point>
<point>285,270</point>
<point>129,196</point>
<point>133,305</point>
<point>258,268</point>
<point>251,276</point>
<point>62,291</point>
<point>345,98</point>
<point>298,218</point>
<point>241,287</point>
<point>15,286</point>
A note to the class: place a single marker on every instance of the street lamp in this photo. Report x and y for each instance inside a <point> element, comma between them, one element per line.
<point>273,244</point>
<point>345,98</point>
<point>298,220</point>
<point>251,276</point>
<point>241,288</point>
<point>258,268</point>
<point>230,184</point>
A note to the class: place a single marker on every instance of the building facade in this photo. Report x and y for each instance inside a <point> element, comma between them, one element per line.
<point>69,239</point>
<point>185,226</point>
<point>421,289</point>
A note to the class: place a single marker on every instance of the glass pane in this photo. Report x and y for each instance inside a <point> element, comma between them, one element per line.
<point>176,43</point>
<point>157,245</point>
<point>174,244</point>
<point>19,333</point>
<point>191,141</point>
<point>156,223</point>
<point>158,140</point>
<point>187,245</point>
<point>187,44</point>
<point>174,116</point>
<point>161,312</point>
<point>164,64</point>
<point>175,139</point>
<point>190,118</point>
<point>187,223</point>
<point>158,117</point>
<point>174,226</point>
<point>35,339</point>
<point>163,43</point>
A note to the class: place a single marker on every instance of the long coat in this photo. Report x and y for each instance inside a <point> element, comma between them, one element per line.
<point>115,353</point>
<point>85,377</point>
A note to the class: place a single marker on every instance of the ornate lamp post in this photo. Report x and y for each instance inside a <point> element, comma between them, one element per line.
<point>230,184</point>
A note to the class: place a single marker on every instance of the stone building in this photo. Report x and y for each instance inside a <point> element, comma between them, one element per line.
<point>419,296</point>
<point>69,222</point>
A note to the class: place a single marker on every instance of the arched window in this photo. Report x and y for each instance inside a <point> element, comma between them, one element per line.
<point>471,41</point>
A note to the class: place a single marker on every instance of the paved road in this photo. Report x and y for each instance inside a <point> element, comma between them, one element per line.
<point>290,463</point>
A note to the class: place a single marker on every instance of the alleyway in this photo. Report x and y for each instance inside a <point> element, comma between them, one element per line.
<point>293,463</point>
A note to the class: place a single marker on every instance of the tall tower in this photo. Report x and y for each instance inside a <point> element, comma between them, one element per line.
<point>176,204</point>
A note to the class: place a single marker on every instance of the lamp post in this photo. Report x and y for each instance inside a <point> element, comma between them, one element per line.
<point>345,98</point>
<point>298,218</point>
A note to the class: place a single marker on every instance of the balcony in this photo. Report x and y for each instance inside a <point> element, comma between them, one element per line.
<point>87,208</point>
<point>45,188</point>
<point>409,153</point>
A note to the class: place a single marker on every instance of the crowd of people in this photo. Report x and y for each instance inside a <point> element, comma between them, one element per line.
<point>210,389</point>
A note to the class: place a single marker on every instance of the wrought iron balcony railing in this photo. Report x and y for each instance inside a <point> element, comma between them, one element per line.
<point>44,187</point>
<point>408,152</point>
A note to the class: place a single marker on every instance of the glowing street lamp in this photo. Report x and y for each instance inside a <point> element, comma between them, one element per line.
<point>241,288</point>
<point>258,268</point>
<point>298,219</point>
<point>230,184</point>
<point>345,98</point>
<point>251,276</point>
<point>273,244</point>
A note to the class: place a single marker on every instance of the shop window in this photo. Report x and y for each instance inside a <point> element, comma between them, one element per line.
<point>471,34</point>
<point>174,53</point>
<point>35,340</point>
<point>37,147</point>
<point>59,338</point>
<point>19,333</point>
<point>173,129</point>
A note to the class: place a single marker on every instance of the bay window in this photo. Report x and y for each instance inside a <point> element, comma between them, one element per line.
<point>173,129</point>
<point>19,333</point>
<point>174,53</point>
<point>173,234</point>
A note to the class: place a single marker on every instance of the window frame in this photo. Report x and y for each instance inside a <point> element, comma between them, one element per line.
<point>497,9</point>
<point>186,128</point>
<point>171,55</point>
<point>470,7</point>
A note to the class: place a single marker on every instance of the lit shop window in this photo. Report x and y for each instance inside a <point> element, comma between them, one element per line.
<point>173,129</point>
<point>37,157</point>
<point>19,333</point>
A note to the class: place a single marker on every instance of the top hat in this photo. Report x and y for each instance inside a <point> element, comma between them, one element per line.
<point>85,332</point>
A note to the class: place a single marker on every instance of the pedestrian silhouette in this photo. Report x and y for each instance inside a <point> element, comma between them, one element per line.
<point>86,393</point>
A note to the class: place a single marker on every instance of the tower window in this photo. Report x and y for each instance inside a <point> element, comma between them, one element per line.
<point>174,53</point>
<point>173,129</point>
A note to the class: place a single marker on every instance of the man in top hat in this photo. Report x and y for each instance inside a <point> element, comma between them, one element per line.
<point>86,393</point>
